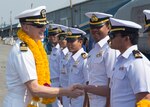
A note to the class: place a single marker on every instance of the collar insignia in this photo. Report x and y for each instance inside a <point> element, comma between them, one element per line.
<point>23,46</point>
<point>84,55</point>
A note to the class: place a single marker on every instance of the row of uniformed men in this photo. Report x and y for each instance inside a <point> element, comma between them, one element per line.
<point>127,69</point>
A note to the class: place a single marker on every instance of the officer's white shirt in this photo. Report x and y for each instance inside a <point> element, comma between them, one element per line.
<point>54,62</point>
<point>130,76</point>
<point>100,63</point>
<point>77,68</point>
<point>64,58</point>
<point>20,69</point>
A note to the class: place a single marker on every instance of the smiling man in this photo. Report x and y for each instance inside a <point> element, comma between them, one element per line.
<point>27,70</point>
<point>100,60</point>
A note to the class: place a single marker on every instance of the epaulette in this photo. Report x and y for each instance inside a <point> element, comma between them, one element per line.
<point>84,55</point>
<point>137,54</point>
<point>23,47</point>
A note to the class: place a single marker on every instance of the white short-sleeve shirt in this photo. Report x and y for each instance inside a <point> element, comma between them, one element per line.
<point>64,58</point>
<point>54,62</point>
<point>20,69</point>
<point>100,61</point>
<point>77,69</point>
<point>130,76</point>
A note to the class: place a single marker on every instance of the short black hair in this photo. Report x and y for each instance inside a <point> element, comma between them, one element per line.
<point>134,36</point>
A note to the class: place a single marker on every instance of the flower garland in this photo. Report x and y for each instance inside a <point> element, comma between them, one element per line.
<point>42,65</point>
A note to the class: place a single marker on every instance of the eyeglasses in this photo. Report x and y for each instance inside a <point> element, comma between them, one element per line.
<point>37,25</point>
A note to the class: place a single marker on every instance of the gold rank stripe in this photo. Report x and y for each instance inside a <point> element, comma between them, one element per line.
<point>53,30</point>
<point>101,22</point>
<point>147,25</point>
<point>117,29</point>
<point>73,36</point>
<point>35,20</point>
<point>63,33</point>
<point>41,22</point>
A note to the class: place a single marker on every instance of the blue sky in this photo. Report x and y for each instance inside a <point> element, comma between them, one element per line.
<point>17,6</point>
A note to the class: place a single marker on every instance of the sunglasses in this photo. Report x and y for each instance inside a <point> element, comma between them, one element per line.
<point>37,25</point>
<point>62,38</point>
<point>112,35</point>
<point>71,40</point>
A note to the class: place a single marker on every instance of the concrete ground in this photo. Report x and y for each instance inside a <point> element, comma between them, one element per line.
<point>4,51</point>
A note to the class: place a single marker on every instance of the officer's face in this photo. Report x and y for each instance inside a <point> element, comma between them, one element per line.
<point>99,33</point>
<point>34,32</point>
<point>74,46</point>
<point>53,38</point>
<point>63,43</point>
<point>117,41</point>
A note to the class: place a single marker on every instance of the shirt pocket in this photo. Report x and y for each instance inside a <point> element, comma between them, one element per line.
<point>53,57</point>
<point>121,74</point>
<point>98,59</point>
<point>75,70</point>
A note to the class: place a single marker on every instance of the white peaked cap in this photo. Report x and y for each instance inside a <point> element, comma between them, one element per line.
<point>76,31</point>
<point>97,19</point>
<point>147,20</point>
<point>56,26</point>
<point>31,12</point>
<point>118,24</point>
<point>98,14</point>
<point>147,14</point>
<point>36,15</point>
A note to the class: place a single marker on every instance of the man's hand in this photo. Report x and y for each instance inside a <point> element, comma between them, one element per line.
<point>74,93</point>
<point>79,86</point>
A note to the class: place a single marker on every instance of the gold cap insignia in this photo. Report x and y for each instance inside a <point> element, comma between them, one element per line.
<point>69,32</point>
<point>94,18</point>
<point>23,46</point>
<point>59,30</point>
<point>137,54</point>
<point>43,13</point>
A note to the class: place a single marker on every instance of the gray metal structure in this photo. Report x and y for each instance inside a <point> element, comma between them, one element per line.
<point>76,15</point>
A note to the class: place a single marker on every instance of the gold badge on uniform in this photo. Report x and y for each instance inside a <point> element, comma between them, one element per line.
<point>75,64</point>
<point>137,54</point>
<point>23,46</point>
<point>84,55</point>
<point>99,54</point>
<point>69,32</point>
<point>59,30</point>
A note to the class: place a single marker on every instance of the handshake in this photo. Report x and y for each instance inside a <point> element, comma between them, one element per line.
<point>75,91</point>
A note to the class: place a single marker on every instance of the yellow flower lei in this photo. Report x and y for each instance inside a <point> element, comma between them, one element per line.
<point>42,65</point>
<point>143,103</point>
